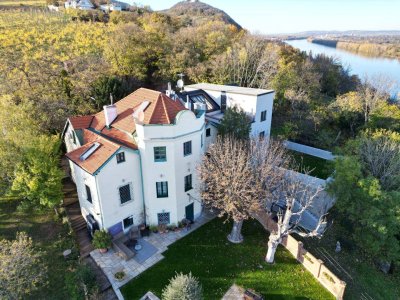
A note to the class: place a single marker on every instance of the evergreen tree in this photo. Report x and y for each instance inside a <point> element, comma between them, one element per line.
<point>236,123</point>
<point>183,287</point>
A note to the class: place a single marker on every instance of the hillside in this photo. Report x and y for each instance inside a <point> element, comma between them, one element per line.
<point>198,12</point>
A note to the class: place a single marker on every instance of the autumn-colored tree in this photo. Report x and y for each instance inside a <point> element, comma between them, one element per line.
<point>22,270</point>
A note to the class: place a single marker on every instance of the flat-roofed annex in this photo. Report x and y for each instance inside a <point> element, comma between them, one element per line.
<point>229,89</point>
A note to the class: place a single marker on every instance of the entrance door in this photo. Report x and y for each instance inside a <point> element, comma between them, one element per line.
<point>189,210</point>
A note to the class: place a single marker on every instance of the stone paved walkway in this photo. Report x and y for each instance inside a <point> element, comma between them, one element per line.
<point>112,263</point>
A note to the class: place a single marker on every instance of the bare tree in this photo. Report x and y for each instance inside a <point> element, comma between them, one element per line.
<point>252,62</point>
<point>373,92</point>
<point>294,197</point>
<point>235,175</point>
<point>380,152</point>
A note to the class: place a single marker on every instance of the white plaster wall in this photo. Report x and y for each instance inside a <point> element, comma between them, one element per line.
<point>70,146</point>
<point>251,104</point>
<point>187,128</point>
<point>210,139</point>
<point>264,102</point>
<point>110,178</point>
<point>83,178</point>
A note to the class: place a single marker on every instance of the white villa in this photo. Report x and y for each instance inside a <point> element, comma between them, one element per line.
<point>135,161</point>
<point>79,4</point>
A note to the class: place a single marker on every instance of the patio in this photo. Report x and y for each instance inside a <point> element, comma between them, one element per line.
<point>152,248</point>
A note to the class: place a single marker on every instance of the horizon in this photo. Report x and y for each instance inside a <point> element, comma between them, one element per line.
<point>296,16</point>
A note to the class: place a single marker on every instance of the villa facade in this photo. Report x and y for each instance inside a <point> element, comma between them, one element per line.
<point>135,161</point>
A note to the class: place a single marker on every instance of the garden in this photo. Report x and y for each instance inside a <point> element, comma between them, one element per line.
<point>218,264</point>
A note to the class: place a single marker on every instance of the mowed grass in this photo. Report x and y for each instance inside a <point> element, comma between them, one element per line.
<point>317,167</point>
<point>48,235</point>
<point>218,264</point>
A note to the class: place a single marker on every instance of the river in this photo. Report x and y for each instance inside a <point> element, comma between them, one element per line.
<point>357,64</point>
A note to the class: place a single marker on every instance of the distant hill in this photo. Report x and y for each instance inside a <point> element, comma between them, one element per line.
<point>198,12</point>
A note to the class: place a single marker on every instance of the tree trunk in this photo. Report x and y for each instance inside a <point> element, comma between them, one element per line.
<point>235,236</point>
<point>273,243</point>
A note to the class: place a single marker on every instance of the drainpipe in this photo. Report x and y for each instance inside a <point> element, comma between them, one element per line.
<point>98,199</point>
<point>141,176</point>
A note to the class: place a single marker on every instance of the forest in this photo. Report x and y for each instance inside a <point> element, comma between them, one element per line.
<point>57,64</point>
<point>373,46</point>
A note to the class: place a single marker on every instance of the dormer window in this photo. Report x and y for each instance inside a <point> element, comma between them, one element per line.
<point>120,157</point>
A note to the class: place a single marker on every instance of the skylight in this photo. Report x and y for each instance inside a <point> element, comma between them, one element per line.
<point>85,155</point>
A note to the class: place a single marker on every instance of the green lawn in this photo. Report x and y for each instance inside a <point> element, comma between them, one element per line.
<point>49,235</point>
<point>365,277</point>
<point>317,167</point>
<point>218,264</point>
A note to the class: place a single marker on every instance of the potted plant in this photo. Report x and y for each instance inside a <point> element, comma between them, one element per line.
<point>154,228</point>
<point>119,275</point>
<point>162,228</point>
<point>102,240</point>
<point>144,230</point>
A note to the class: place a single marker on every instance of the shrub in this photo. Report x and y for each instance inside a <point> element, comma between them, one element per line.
<point>119,275</point>
<point>102,239</point>
<point>183,287</point>
<point>81,281</point>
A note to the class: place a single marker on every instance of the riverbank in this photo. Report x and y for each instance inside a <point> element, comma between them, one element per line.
<point>369,49</point>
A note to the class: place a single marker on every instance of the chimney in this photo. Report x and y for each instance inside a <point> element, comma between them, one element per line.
<point>110,113</point>
<point>169,92</point>
<point>223,101</point>
<point>188,104</point>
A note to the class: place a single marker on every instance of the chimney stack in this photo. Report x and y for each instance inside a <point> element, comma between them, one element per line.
<point>188,104</point>
<point>110,113</point>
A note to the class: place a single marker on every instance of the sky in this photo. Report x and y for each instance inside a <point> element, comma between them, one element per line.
<point>290,16</point>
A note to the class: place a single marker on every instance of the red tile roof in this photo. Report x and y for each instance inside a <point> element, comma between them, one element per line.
<point>119,137</point>
<point>160,110</point>
<point>99,157</point>
<point>80,122</point>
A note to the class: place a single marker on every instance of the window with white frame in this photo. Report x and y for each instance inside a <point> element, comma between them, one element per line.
<point>120,157</point>
<point>128,222</point>
<point>187,148</point>
<point>263,116</point>
<point>188,182</point>
<point>162,189</point>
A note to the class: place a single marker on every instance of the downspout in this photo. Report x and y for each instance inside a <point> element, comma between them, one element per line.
<point>98,198</point>
<point>141,176</point>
